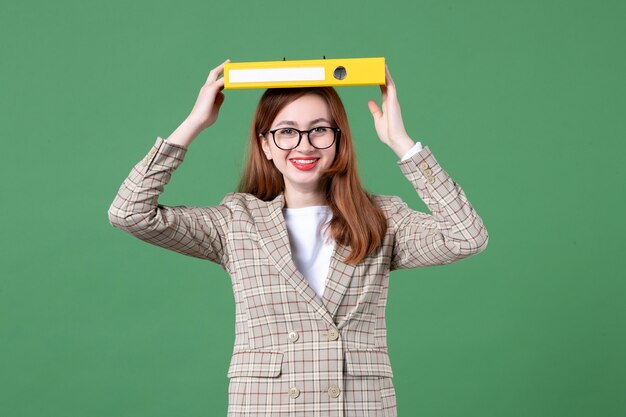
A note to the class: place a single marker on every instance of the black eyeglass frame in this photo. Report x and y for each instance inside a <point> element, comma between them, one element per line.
<point>336,130</point>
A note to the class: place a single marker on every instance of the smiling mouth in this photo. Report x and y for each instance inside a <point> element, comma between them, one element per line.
<point>304,164</point>
<point>304,161</point>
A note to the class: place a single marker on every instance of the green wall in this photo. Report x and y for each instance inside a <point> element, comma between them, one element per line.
<point>519,101</point>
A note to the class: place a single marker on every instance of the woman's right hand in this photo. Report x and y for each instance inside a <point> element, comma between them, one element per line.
<point>210,99</point>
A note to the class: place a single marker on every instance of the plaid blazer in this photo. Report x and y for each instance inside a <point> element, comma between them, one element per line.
<point>295,353</point>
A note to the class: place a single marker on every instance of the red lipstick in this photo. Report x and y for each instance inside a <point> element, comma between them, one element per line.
<point>304,166</point>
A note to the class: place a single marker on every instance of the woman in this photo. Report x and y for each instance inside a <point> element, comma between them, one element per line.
<point>308,250</point>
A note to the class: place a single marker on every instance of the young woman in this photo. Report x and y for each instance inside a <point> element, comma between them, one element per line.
<point>308,250</point>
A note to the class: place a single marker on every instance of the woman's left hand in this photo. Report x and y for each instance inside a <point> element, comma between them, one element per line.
<point>388,122</point>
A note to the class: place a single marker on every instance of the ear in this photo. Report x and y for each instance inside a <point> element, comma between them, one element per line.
<point>266,147</point>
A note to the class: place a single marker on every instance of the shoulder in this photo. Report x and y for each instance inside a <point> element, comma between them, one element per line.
<point>387,202</point>
<point>391,205</point>
<point>238,198</point>
<point>241,200</point>
<point>248,203</point>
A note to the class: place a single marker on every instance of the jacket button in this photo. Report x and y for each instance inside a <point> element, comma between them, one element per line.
<point>428,172</point>
<point>430,179</point>
<point>334,391</point>
<point>293,336</point>
<point>423,165</point>
<point>332,334</point>
<point>294,392</point>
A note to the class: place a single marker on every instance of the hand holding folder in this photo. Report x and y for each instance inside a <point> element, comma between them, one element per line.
<point>388,121</point>
<point>209,101</point>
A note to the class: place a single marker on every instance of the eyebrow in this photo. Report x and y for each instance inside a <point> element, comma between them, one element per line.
<point>292,123</point>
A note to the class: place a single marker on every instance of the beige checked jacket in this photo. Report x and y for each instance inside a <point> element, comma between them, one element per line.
<point>296,354</point>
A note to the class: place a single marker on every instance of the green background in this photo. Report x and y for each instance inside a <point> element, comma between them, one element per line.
<point>522,103</point>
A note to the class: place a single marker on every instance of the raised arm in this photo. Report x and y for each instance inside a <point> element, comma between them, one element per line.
<point>194,231</point>
<point>451,232</point>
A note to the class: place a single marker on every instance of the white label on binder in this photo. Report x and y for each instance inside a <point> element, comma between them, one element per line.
<point>276,74</point>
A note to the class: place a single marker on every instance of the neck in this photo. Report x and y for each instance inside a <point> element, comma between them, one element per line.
<point>301,198</point>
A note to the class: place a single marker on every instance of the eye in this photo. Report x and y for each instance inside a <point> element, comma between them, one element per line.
<point>286,131</point>
<point>320,129</point>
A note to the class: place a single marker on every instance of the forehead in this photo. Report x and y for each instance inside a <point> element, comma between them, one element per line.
<point>303,110</point>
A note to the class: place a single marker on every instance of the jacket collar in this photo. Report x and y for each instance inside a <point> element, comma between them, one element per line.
<point>275,241</point>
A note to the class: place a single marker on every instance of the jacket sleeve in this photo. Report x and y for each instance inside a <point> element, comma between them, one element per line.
<point>199,232</point>
<point>451,232</point>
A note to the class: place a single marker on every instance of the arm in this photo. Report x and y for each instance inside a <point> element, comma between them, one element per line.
<point>452,232</point>
<point>194,231</point>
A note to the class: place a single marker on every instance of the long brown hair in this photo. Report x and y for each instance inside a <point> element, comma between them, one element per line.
<point>357,222</point>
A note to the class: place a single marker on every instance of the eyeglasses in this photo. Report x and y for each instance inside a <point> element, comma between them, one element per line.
<point>320,137</point>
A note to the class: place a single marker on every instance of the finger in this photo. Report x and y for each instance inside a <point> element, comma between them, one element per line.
<point>388,76</point>
<point>223,65</point>
<point>215,86</point>
<point>391,85</point>
<point>383,90</point>
<point>374,109</point>
<point>215,72</point>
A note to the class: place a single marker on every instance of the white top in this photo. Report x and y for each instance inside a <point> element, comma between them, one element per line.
<point>310,250</point>
<point>311,247</point>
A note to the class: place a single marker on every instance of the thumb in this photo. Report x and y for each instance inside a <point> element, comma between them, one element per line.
<point>374,109</point>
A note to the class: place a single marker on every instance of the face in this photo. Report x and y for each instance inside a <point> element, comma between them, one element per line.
<point>303,114</point>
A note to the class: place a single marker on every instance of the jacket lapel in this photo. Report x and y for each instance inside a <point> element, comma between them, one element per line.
<point>274,238</point>
<point>275,241</point>
<point>338,279</point>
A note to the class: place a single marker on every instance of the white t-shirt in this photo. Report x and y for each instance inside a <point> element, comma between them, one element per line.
<point>309,247</point>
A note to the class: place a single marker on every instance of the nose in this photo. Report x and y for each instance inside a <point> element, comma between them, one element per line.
<point>305,143</point>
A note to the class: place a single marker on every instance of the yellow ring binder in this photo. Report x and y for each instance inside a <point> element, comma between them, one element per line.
<point>304,73</point>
